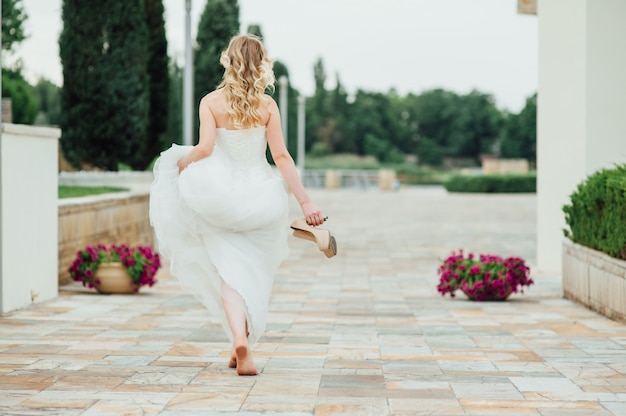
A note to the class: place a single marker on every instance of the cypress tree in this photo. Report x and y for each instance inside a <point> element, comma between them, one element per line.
<point>103,50</point>
<point>175,113</point>
<point>157,67</point>
<point>218,24</point>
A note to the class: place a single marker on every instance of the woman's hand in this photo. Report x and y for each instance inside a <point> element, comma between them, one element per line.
<point>181,165</point>
<point>312,214</point>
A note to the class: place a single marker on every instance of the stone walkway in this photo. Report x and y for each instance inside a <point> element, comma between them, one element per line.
<point>364,333</point>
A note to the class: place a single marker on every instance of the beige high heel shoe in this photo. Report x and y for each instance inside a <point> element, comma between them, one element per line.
<point>325,241</point>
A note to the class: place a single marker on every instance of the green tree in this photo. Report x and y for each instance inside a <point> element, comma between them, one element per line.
<point>450,125</point>
<point>406,136</point>
<point>22,95</point>
<point>13,19</point>
<point>159,90</point>
<point>218,24</point>
<point>476,127</point>
<point>103,50</point>
<point>175,113</point>
<point>49,102</point>
<point>328,115</point>
<point>373,127</point>
<point>434,113</point>
<point>255,29</point>
<point>319,101</point>
<point>430,153</point>
<point>519,138</point>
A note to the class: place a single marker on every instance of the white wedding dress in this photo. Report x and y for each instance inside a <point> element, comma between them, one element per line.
<point>224,217</point>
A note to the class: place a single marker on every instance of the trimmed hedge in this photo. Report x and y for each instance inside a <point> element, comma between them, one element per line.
<point>596,215</point>
<point>493,183</point>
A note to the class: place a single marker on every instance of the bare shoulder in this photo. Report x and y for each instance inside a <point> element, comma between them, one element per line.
<point>268,102</point>
<point>216,103</point>
<point>213,98</point>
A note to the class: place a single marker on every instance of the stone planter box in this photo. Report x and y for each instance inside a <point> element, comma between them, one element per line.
<point>595,280</point>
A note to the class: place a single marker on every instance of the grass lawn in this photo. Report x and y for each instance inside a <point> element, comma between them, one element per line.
<point>76,191</point>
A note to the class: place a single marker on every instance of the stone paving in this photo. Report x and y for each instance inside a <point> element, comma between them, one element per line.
<point>364,333</point>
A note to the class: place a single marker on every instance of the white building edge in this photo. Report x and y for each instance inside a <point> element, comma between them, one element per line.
<point>581,106</point>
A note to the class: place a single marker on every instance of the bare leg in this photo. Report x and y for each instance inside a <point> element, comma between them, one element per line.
<point>235,309</point>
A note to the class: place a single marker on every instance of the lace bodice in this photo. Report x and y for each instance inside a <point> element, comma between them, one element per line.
<point>246,148</point>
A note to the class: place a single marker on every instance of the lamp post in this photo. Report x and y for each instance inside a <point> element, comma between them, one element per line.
<point>188,78</point>
<point>301,114</point>
<point>284,86</point>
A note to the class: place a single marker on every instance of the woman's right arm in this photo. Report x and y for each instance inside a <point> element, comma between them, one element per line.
<point>206,141</point>
<point>287,167</point>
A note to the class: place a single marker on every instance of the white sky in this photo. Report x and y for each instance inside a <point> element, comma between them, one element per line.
<point>410,45</point>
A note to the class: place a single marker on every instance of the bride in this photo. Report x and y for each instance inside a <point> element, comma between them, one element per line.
<point>218,210</point>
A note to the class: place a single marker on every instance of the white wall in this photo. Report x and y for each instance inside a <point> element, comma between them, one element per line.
<point>581,121</point>
<point>29,215</point>
<point>606,83</point>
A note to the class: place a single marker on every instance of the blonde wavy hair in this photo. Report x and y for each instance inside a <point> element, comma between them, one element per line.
<point>247,74</point>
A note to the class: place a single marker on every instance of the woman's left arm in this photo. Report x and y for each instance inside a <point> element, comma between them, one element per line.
<point>207,133</point>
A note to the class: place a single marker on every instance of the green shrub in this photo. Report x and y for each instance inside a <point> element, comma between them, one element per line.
<point>22,95</point>
<point>412,174</point>
<point>596,215</point>
<point>492,183</point>
<point>76,191</point>
<point>342,161</point>
<point>320,149</point>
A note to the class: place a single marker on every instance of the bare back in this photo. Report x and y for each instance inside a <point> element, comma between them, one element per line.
<point>216,102</point>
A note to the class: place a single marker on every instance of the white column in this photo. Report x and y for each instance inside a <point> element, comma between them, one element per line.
<point>188,79</point>
<point>606,83</point>
<point>301,131</point>
<point>582,95</point>
<point>283,99</point>
<point>29,222</point>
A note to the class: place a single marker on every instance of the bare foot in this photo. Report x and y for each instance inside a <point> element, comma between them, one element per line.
<point>232,363</point>
<point>244,362</point>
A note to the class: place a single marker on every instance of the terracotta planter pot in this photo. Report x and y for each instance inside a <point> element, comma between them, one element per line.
<point>112,278</point>
<point>490,298</point>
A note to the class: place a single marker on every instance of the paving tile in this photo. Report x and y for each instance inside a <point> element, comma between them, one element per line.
<point>201,402</point>
<point>291,403</point>
<point>362,409</point>
<point>499,391</point>
<point>426,407</point>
